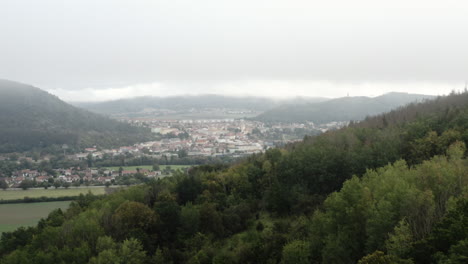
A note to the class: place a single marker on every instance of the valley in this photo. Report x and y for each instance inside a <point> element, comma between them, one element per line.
<point>233,132</point>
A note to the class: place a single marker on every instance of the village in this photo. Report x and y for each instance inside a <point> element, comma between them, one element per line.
<point>28,178</point>
<point>212,138</point>
<point>223,137</point>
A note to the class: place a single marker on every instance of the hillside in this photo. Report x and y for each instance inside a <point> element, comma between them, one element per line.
<point>32,118</point>
<point>340,109</point>
<point>390,189</point>
<point>139,104</point>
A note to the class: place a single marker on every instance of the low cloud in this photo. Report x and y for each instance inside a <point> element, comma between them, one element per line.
<point>267,88</point>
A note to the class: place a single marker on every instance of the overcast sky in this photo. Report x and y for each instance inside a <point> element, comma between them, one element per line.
<point>90,50</point>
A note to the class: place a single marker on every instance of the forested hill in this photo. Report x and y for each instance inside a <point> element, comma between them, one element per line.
<point>139,104</point>
<point>32,118</point>
<point>340,109</point>
<point>390,189</point>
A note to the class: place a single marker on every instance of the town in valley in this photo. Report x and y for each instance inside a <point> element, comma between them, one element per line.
<point>178,141</point>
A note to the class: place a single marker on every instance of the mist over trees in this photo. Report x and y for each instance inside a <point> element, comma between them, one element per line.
<point>339,109</point>
<point>32,118</point>
<point>138,104</point>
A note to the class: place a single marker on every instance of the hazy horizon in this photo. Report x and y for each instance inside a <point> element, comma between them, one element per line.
<point>113,49</point>
<point>235,96</point>
<point>111,94</point>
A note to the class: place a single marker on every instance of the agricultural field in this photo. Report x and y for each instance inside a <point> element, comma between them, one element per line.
<point>13,216</point>
<point>149,167</point>
<point>51,192</point>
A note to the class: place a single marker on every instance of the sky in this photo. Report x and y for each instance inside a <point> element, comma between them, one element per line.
<point>94,50</point>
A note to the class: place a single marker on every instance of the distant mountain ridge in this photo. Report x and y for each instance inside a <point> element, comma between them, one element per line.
<point>138,104</point>
<point>32,118</point>
<point>340,109</point>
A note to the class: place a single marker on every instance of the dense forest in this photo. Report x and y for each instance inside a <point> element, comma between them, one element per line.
<point>390,189</point>
<point>339,109</point>
<point>34,119</point>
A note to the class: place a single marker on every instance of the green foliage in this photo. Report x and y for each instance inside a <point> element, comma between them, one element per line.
<point>296,252</point>
<point>447,239</point>
<point>26,184</point>
<point>3,185</point>
<point>129,251</point>
<point>359,218</point>
<point>378,257</point>
<point>380,191</point>
<point>132,252</point>
<point>33,119</point>
<point>131,216</point>
<point>399,243</point>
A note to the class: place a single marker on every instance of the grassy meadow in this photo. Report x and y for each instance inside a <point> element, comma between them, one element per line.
<point>51,192</point>
<point>13,216</point>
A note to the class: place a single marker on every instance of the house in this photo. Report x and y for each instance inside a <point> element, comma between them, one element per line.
<point>103,179</point>
<point>74,178</point>
<point>90,149</point>
<point>42,178</point>
<point>128,172</point>
<point>81,156</point>
<point>154,174</point>
<point>88,178</point>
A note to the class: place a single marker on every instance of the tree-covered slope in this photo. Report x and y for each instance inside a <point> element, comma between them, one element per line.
<point>32,118</point>
<point>340,109</point>
<point>134,105</point>
<point>391,189</point>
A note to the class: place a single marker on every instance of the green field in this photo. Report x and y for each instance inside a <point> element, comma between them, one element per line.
<point>13,216</point>
<point>149,167</point>
<point>51,192</point>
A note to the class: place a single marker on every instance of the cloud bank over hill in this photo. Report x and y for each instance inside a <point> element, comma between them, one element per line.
<point>272,89</point>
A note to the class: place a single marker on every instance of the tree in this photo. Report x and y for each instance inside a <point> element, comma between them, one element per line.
<point>26,184</point>
<point>133,216</point>
<point>3,185</point>
<point>140,176</point>
<point>189,220</point>
<point>182,153</point>
<point>399,242</point>
<point>169,213</point>
<point>132,252</point>
<point>57,184</point>
<point>378,257</point>
<point>45,184</point>
<point>259,226</point>
<point>296,252</point>
<point>109,256</point>
<point>188,188</point>
<point>211,219</point>
<point>66,185</point>
<point>155,167</point>
<point>108,184</point>
<point>89,160</point>
<point>158,257</point>
<point>107,251</point>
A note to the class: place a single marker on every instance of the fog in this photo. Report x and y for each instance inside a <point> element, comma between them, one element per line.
<point>108,49</point>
